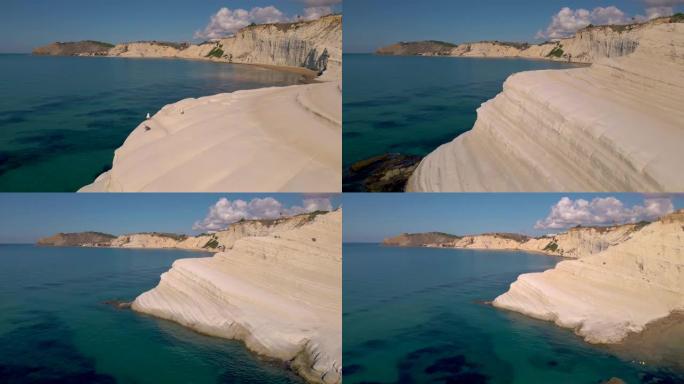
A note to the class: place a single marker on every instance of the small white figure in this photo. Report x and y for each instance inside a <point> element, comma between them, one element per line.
<point>148,115</point>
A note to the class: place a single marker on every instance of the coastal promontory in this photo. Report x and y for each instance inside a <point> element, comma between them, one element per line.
<point>280,294</point>
<point>612,126</point>
<point>616,281</point>
<point>274,139</point>
<point>211,242</point>
<point>606,296</point>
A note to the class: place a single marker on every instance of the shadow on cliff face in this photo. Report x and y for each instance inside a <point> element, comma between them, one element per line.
<point>40,350</point>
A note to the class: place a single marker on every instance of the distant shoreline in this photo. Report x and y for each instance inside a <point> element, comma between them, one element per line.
<point>502,58</point>
<point>308,75</point>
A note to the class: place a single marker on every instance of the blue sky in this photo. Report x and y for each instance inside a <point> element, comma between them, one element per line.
<point>370,24</point>
<point>25,24</point>
<point>29,216</point>
<point>372,217</point>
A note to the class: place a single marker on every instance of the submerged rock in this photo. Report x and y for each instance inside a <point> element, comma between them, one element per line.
<point>384,173</point>
<point>118,304</point>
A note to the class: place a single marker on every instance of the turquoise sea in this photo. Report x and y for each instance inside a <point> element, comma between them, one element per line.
<point>56,328</point>
<point>412,104</point>
<point>61,118</point>
<point>420,315</point>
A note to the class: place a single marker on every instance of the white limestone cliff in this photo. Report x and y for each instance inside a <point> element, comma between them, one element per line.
<point>615,126</point>
<point>606,296</point>
<point>278,139</point>
<point>159,241</point>
<point>586,46</point>
<point>214,242</point>
<point>281,294</point>
<point>314,45</point>
<point>574,243</point>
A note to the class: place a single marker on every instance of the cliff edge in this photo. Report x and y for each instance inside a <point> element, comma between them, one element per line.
<point>614,126</point>
<point>606,296</point>
<point>277,139</point>
<point>315,45</point>
<point>281,294</point>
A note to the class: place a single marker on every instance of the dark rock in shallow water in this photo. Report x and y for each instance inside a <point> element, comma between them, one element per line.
<point>118,304</point>
<point>661,378</point>
<point>42,351</point>
<point>384,173</point>
<point>451,365</point>
<point>467,378</point>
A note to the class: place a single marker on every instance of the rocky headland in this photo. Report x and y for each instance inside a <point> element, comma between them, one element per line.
<point>315,45</point>
<point>606,296</point>
<point>620,279</point>
<point>432,239</point>
<point>77,239</point>
<point>586,46</point>
<point>574,243</point>
<point>211,242</point>
<point>613,126</point>
<point>278,139</point>
<point>78,48</point>
<point>280,293</point>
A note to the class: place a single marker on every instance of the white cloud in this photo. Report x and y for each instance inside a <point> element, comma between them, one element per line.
<point>313,13</point>
<point>226,212</point>
<point>228,21</point>
<point>567,21</point>
<point>655,12</point>
<point>658,8</point>
<point>603,211</point>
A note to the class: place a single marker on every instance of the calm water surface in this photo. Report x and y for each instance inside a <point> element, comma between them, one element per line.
<point>55,328</point>
<point>417,315</point>
<point>61,118</point>
<point>412,104</point>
